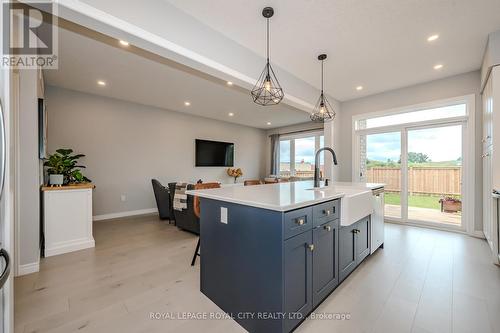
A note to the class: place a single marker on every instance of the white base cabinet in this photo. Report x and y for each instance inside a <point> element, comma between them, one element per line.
<point>67,218</point>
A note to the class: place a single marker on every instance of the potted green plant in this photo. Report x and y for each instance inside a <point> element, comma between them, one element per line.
<point>63,168</point>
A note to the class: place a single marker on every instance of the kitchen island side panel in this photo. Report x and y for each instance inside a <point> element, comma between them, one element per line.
<point>241,262</point>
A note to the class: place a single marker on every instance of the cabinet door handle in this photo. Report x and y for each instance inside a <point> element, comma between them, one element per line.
<point>311,247</point>
<point>326,212</point>
<point>300,221</point>
<point>327,227</point>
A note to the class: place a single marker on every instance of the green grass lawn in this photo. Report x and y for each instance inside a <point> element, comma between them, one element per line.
<point>421,201</point>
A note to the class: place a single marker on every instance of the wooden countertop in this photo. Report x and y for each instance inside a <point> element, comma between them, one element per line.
<point>68,187</point>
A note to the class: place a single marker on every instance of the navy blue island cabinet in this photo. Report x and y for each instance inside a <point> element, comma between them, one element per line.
<point>269,269</point>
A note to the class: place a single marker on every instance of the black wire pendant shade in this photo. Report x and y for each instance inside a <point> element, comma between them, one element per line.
<point>267,89</point>
<point>323,110</point>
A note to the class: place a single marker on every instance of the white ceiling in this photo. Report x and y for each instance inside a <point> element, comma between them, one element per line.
<point>381,45</point>
<point>135,76</point>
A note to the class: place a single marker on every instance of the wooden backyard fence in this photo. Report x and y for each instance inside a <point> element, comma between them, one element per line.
<point>421,180</point>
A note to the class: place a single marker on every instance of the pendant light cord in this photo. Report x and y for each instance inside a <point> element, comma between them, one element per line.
<point>267,40</point>
<point>322,76</point>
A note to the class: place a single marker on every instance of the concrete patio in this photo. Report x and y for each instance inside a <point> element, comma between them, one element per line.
<point>425,214</point>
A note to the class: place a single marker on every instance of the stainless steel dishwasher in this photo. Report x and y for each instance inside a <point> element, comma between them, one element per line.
<point>377,220</point>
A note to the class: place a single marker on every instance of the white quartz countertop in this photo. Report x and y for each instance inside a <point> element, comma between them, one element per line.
<point>369,186</point>
<point>281,196</point>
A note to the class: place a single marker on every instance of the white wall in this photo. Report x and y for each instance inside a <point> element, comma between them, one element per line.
<point>28,168</point>
<point>127,144</point>
<point>463,84</point>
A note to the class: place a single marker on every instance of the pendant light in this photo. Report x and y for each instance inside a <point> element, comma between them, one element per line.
<point>323,109</point>
<point>267,90</point>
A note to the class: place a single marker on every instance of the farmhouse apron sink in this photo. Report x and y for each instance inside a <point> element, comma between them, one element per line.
<point>356,203</point>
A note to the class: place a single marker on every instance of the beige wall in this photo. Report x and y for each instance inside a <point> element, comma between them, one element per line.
<point>459,85</point>
<point>128,144</point>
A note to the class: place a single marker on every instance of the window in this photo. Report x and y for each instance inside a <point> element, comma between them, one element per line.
<point>423,155</point>
<point>450,111</point>
<point>285,157</point>
<point>297,154</point>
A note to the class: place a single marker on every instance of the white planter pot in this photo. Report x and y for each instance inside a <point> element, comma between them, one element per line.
<point>57,180</point>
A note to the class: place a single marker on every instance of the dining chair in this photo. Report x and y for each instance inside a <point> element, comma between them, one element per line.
<point>196,208</point>
<point>270,180</point>
<point>250,182</point>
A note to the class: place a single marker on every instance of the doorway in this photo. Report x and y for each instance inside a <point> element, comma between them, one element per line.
<point>423,162</point>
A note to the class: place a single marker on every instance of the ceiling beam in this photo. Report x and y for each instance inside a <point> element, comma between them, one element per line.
<point>161,28</point>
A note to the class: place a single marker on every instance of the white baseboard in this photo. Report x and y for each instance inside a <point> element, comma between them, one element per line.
<point>69,246</point>
<point>125,214</point>
<point>28,268</point>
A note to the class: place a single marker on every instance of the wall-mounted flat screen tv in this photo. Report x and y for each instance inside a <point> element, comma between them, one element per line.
<point>214,153</point>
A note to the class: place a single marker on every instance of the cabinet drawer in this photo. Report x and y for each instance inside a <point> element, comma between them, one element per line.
<point>325,212</point>
<point>297,221</point>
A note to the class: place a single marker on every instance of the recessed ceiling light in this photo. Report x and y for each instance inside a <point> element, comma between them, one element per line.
<point>124,43</point>
<point>230,114</point>
<point>268,123</point>
<point>358,88</point>
<point>101,83</point>
<point>438,66</point>
<point>432,38</point>
<point>229,83</point>
<point>187,103</point>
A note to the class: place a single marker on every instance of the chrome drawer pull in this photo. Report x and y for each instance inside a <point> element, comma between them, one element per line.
<point>326,212</point>
<point>311,247</point>
<point>327,227</point>
<point>300,221</point>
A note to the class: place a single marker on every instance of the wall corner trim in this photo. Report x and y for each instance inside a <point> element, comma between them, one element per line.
<point>478,234</point>
<point>28,268</point>
<point>124,214</point>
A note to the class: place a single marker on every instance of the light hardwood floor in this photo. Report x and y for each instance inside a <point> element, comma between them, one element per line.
<point>422,281</point>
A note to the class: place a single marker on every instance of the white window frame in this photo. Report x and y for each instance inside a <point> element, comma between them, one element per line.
<point>468,153</point>
<point>292,137</point>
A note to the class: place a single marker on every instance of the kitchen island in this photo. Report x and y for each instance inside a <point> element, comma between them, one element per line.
<point>271,253</point>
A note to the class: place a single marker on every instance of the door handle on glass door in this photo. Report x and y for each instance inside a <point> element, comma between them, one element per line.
<point>6,271</point>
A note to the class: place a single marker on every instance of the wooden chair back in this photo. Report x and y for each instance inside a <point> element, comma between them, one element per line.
<point>250,182</point>
<point>202,186</point>
<point>271,181</point>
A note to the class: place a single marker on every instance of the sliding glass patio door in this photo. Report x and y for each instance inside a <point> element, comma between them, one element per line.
<point>422,169</point>
<point>381,161</point>
<point>434,169</point>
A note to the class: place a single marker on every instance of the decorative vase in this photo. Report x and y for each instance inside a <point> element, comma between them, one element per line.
<point>56,180</point>
<point>235,179</point>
